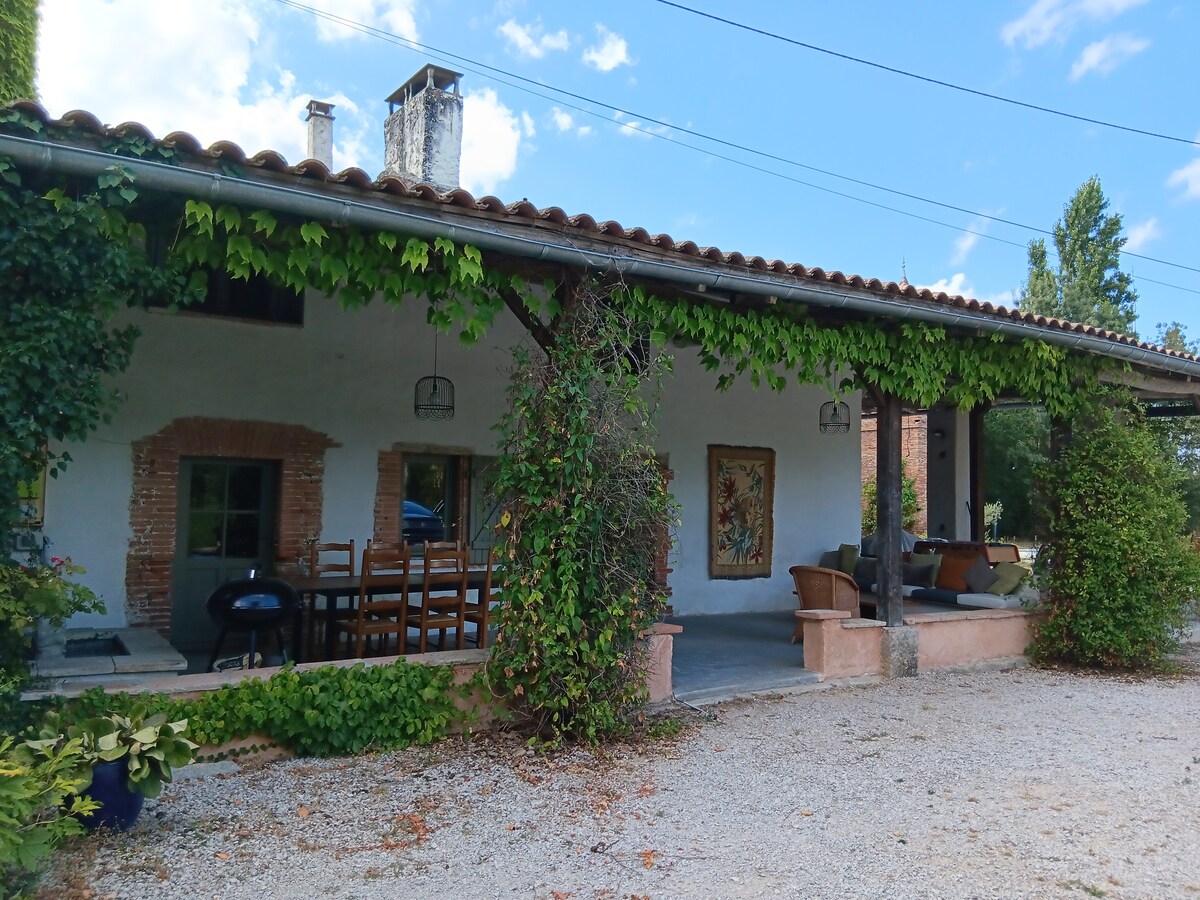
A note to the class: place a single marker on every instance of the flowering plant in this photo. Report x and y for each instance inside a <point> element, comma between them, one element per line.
<point>29,593</point>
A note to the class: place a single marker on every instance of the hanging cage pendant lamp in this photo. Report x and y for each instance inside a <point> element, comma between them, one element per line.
<point>434,395</point>
<point>835,417</point>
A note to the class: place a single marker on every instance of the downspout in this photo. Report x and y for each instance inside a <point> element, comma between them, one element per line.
<point>47,156</point>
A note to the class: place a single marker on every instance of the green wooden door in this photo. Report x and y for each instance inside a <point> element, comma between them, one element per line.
<point>226,527</point>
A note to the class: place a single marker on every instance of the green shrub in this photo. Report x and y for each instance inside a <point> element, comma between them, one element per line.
<point>328,711</point>
<point>910,507</point>
<point>587,514</point>
<point>39,798</point>
<point>1121,573</point>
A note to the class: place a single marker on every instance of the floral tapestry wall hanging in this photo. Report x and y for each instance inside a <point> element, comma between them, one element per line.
<point>741,494</point>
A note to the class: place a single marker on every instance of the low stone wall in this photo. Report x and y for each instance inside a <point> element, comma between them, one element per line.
<point>838,646</point>
<point>488,711</point>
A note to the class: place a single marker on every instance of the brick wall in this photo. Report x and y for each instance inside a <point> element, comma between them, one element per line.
<point>914,448</point>
<point>153,503</point>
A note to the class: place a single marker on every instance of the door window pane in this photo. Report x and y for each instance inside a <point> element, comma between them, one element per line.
<point>207,488</point>
<point>245,488</point>
<point>204,534</point>
<point>241,536</point>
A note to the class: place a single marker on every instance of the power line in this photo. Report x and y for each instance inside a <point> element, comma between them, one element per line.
<point>928,80</point>
<point>476,67</point>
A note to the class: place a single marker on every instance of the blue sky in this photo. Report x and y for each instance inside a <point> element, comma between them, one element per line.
<point>243,70</point>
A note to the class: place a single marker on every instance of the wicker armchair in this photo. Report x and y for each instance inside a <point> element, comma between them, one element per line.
<point>820,588</point>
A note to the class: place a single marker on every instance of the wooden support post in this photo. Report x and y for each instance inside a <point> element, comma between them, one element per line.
<point>976,480</point>
<point>889,426</point>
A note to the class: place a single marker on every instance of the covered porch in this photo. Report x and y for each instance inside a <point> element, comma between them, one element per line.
<point>722,657</point>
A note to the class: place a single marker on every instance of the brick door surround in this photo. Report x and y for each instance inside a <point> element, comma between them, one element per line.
<point>154,500</point>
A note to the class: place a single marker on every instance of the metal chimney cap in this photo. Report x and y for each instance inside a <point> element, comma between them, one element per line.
<point>442,79</point>
<point>319,108</point>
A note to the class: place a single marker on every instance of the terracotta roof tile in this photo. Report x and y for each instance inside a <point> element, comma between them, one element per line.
<point>187,145</point>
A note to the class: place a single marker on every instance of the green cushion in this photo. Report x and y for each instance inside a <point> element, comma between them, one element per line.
<point>1008,578</point>
<point>847,558</point>
<point>930,559</point>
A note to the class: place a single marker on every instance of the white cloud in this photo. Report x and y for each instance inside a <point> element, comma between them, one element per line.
<point>527,125</point>
<point>1139,236</point>
<point>563,121</point>
<point>212,77</point>
<point>963,246</point>
<point>955,284</point>
<point>638,128</point>
<point>395,16</point>
<point>1054,20</point>
<point>200,58</point>
<point>491,142</point>
<point>610,52</point>
<point>1103,56</point>
<point>965,242</point>
<point>1188,178</point>
<point>532,40</point>
<point>958,285</point>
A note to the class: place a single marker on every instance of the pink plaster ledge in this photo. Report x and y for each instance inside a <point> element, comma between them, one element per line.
<point>818,615</point>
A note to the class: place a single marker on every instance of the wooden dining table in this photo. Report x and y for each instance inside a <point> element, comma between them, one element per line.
<point>334,588</point>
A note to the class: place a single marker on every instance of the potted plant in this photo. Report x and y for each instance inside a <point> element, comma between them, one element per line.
<point>130,758</point>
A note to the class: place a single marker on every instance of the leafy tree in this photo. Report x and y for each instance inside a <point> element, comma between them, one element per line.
<point>1088,285</point>
<point>71,262</point>
<point>910,507</point>
<point>1181,435</point>
<point>1121,572</point>
<point>586,515</point>
<point>1016,445</point>
<point>18,43</point>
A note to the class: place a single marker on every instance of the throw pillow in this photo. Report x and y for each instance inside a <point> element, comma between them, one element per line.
<point>980,577</point>
<point>915,575</point>
<point>830,559</point>
<point>848,558</point>
<point>928,558</point>
<point>1008,578</point>
<point>950,576</point>
<point>864,570</point>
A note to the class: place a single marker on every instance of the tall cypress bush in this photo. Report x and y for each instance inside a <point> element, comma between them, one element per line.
<point>1121,570</point>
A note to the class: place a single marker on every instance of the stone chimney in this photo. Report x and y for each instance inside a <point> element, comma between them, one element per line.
<point>423,131</point>
<point>320,132</point>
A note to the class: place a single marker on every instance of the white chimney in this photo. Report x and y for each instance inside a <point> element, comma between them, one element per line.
<point>423,131</point>
<point>320,132</point>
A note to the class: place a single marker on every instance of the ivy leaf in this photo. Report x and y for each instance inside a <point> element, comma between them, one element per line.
<point>416,255</point>
<point>264,222</point>
<point>313,233</point>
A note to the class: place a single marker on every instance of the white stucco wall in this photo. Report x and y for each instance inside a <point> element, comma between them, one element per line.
<point>351,374</point>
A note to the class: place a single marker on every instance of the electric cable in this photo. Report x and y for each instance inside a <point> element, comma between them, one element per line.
<point>493,73</point>
<point>927,79</point>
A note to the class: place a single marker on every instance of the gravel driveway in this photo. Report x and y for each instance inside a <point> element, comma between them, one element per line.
<point>1024,783</point>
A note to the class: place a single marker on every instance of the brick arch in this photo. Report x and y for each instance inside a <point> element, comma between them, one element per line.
<point>154,501</point>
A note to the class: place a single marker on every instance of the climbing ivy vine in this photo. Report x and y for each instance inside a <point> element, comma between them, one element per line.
<point>917,362</point>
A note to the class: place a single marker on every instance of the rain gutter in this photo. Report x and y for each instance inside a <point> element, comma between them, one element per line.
<point>215,187</point>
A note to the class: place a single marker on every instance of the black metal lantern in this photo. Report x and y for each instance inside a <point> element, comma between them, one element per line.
<point>434,395</point>
<point>835,417</point>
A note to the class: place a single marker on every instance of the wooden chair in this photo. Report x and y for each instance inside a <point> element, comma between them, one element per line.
<point>820,588</point>
<point>317,567</point>
<point>478,611</point>
<point>382,599</point>
<point>443,597</point>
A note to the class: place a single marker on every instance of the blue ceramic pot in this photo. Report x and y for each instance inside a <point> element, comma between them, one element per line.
<point>120,807</point>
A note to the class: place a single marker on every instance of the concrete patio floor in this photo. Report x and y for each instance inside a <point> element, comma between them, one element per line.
<point>720,657</point>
